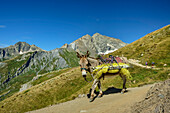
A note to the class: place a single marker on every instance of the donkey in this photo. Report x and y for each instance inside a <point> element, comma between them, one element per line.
<point>87,63</point>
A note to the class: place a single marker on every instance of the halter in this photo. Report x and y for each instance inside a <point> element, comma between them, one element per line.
<point>84,69</point>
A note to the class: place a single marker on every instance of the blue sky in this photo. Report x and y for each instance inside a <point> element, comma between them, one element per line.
<point>51,23</point>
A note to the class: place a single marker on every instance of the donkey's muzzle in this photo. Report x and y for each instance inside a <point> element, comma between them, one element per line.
<point>84,76</point>
<point>84,73</point>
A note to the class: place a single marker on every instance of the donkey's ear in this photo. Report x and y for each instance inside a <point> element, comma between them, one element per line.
<point>78,55</point>
<point>87,54</point>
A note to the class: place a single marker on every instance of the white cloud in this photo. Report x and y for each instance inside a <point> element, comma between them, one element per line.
<point>3,45</point>
<point>2,26</point>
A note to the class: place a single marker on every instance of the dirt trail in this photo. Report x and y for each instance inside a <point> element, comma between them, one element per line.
<point>111,103</point>
<point>136,62</point>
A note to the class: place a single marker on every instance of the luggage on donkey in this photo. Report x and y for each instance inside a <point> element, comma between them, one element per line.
<point>111,68</point>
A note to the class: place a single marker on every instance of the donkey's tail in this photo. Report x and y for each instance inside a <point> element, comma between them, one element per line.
<point>126,72</point>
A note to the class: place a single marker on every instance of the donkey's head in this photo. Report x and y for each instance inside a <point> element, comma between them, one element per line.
<point>84,64</point>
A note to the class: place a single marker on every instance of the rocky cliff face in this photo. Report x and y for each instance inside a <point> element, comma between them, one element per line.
<point>41,62</point>
<point>18,48</point>
<point>96,44</point>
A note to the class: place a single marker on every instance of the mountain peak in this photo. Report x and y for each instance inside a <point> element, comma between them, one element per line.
<point>95,44</point>
<point>18,48</point>
<point>96,34</point>
<point>65,45</point>
<point>87,35</point>
<point>20,43</point>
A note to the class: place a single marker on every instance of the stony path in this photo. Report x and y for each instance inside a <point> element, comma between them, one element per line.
<point>111,103</point>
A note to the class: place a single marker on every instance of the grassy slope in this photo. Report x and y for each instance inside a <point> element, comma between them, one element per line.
<point>44,94</point>
<point>154,47</point>
<point>49,75</point>
<point>12,65</point>
<point>70,57</point>
<point>65,87</point>
<point>15,83</point>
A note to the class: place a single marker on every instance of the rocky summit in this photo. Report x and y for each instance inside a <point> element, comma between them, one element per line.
<point>18,48</point>
<point>96,44</point>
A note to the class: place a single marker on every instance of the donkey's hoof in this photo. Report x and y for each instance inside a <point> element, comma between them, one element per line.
<point>91,100</point>
<point>100,95</point>
<point>123,90</point>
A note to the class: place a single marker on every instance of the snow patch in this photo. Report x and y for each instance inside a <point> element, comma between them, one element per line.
<point>20,52</point>
<point>73,45</point>
<point>25,52</point>
<point>110,45</point>
<point>107,52</point>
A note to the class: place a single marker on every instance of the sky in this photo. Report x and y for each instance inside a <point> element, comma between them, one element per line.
<point>49,24</point>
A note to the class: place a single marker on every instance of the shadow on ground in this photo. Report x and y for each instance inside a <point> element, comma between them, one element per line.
<point>110,90</point>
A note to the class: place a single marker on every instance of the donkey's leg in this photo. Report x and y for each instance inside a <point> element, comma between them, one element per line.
<point>124,83</point>
<point>100,90</point>
<point>95,83</point>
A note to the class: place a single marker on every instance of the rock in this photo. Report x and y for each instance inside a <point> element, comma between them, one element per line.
<point>25,86</point>
<point>83,111</point>
<point>156,100</point>
<point>160,95</point>
<point>165,65</point>
<point>2,64</point>
<point>81,95</point>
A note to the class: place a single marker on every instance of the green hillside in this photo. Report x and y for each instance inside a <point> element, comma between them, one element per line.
<point>68,86</point>
<point>15,83</point>
<point>154,47</point>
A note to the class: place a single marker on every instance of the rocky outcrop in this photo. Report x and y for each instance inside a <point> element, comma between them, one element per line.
<point>41,62</point>
<point>157,100</point>
<point>18,48</point>
<point>24,66</point>
<point>96,44</point>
